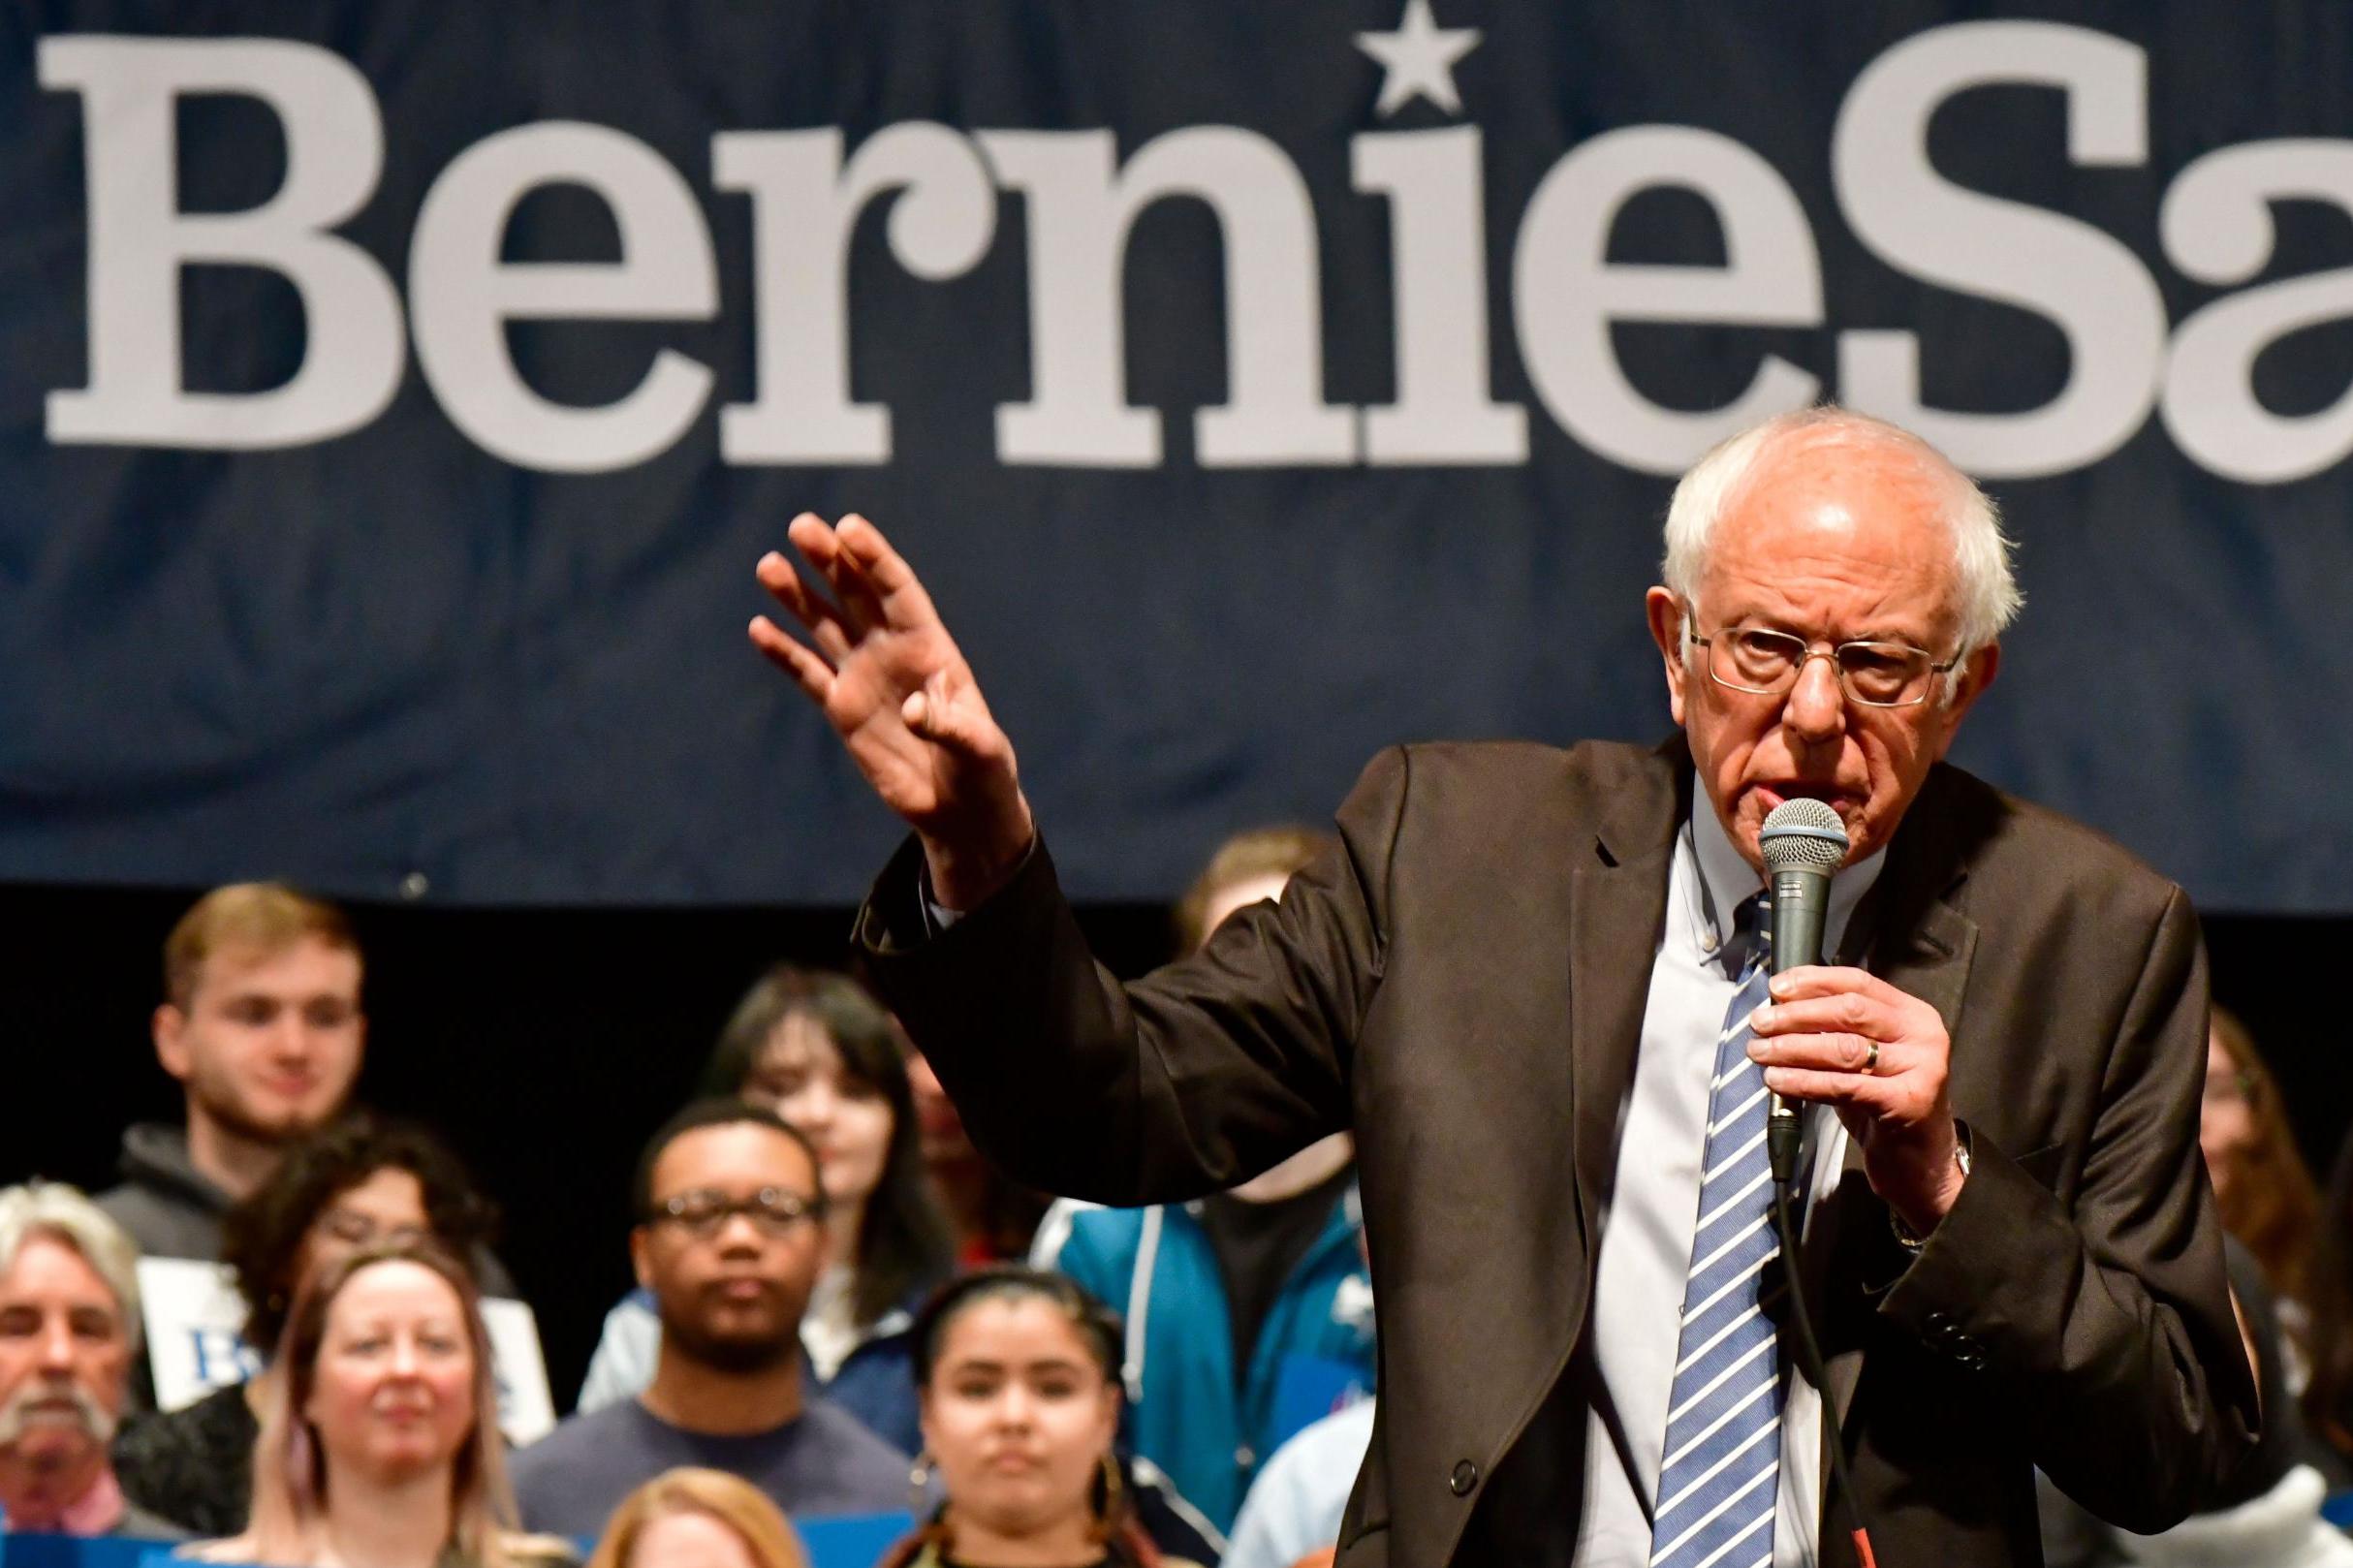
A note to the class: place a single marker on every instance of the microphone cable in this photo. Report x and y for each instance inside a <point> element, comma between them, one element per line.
<point>1817,1371</point>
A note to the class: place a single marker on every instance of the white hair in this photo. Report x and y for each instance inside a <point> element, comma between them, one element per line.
<point>55,1211</point>
<point>1987,593</point>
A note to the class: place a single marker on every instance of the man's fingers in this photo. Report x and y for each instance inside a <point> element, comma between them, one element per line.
<point>858,604</point>
<point>1834,1052</point>
<point>1824,979</point>
<point>884,567</point>
<point>1840,1012</point>
<point>931,715</point>
<point>810,673</point>
<point>1825,1088</point>
<point>785,586</point>
<point>845,569</point>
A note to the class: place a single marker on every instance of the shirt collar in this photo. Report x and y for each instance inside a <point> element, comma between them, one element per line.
<point>96,1512</point>
<point>1726,880</point>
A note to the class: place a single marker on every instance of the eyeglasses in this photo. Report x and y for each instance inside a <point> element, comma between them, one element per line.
<point>773,1211</point>
<point>1766,663</point>
<point>362,1230</point>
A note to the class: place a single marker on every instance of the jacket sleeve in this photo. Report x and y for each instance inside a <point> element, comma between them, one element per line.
<point>2106,1319</point>
<point>1197,1076</point>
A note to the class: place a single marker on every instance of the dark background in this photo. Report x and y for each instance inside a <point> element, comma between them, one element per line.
<point>548,1045</point>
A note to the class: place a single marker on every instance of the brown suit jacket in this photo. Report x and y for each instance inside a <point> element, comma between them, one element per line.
<point>1463,985</point>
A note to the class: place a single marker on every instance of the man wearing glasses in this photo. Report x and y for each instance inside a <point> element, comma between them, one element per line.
<point>1530,980</point>
<point>730,1240</point>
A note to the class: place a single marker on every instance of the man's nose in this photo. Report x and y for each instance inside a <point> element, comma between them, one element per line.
<point>1816,708</point>
<point>290,1033</point>
<point>57,1347</point>
<point>738,1235</point>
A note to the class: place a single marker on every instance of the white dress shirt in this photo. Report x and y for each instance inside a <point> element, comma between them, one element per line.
<point>1647,1229</point>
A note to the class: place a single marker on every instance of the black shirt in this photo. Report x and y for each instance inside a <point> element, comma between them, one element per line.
<point>1257,1246</point>
<point>193,1466</point>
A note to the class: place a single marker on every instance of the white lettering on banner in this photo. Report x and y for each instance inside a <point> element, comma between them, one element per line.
<point>2089,284</point>
<point>1566,291</point>
<point>463,295</point>
<point>808,191</point>
<point>804,206</point>
<point>1080,215</point>
<point>140,241</point>
<point>1437,204</point>
<point>2217,225</point>
<point>194,1317</point>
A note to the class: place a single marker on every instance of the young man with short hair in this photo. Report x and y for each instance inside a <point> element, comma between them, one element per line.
<point>262,1024</point>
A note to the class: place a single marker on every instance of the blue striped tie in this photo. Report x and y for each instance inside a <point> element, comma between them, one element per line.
<point>1720,1479</point>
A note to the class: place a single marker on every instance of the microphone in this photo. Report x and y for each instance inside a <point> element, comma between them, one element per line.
<point>1803,843</point>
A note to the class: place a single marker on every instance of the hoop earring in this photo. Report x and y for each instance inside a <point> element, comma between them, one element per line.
<point>1115,1498</point>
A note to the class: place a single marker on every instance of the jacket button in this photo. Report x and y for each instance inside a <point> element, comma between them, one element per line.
<point>1465,1477</point>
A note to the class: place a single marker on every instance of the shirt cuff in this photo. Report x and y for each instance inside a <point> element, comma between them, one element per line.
<point>938,917</point>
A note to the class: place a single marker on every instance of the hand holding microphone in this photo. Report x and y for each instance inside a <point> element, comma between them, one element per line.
<point>1845,1038</point>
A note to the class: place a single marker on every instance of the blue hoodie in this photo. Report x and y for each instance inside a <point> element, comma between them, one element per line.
<point>1188,1412</point>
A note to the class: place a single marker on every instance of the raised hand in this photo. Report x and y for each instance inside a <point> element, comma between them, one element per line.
<point>880,664</point>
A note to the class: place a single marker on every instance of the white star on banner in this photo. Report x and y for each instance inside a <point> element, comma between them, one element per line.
<point>1419,60</point>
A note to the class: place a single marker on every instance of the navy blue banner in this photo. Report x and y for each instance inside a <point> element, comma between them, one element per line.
<point>395,396</point>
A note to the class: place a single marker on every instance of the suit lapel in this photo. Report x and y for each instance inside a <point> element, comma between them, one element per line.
<point>1617,902</point>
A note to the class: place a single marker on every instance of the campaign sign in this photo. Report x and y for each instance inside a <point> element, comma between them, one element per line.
<point>397,395</point>
<point>194,1324</point>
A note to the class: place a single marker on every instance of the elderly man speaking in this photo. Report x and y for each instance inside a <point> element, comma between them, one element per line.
<point>1531,981</point>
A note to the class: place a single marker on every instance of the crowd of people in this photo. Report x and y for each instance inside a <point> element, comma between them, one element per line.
<point>842,1310</point>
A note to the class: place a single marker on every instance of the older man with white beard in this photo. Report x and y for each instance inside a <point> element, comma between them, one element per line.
<point>69,1325</point>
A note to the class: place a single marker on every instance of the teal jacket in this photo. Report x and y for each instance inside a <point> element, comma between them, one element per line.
<point>1188,1412</point>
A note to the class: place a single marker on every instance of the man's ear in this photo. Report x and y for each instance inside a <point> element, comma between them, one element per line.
<point>1976,672</point>
<point>641,1255</point>
<point>1665,613</point>
<point>170,1028</point>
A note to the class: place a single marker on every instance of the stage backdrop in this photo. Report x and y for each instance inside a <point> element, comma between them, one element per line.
<point>395,398</point>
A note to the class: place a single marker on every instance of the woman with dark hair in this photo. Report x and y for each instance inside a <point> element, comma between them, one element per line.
<point>1019,1370</point>
<point>819,1052</point>
<point>357,1182</point>
<point>379,1447</point>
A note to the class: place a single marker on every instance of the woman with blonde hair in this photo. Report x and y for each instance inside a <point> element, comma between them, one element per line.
<point>380,1444</point>
<point>691,1517</point>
